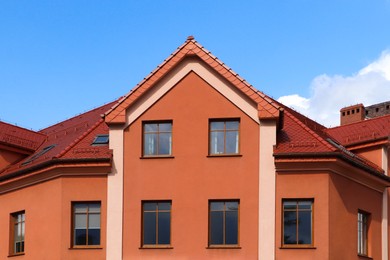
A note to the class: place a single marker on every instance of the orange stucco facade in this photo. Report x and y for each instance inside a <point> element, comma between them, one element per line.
<point>191,178</point>
<point>47,208</point>
<point>282,159</point>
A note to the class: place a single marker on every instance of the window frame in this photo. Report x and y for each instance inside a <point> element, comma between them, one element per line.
<point>14,222</point>
<point>224,245</point>
<point>238,130</point>
<point>297,245</point>
<point>73,223</point>
<point>362,245</point>
<point>157,155</point>
<point>156,245</point>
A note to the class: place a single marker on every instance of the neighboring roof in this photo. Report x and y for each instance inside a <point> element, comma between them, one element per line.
<point>362,132</point>
<point>302,137</point>
<point>19,137</point>
<point>67,140</point>
<point>267,107</point>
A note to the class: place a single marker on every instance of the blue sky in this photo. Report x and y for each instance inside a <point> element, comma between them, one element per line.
<point>62,58</point>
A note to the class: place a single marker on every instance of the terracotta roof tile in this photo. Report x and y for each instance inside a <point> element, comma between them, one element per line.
<point>363,131</point>
<point>191,46</point>
<point>62,138</point>
<point>20,137</point>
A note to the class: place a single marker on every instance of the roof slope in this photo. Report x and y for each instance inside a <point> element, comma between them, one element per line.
<point>68,140</point>
<point>361,132</point>
<point>20,137</point>
<point>267,107</point>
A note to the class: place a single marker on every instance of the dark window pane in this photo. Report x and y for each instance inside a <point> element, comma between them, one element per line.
<point>164,143</point>
<point>304,227</point>
<point>232,125</point>
<point>290,227</point>
<point>150,206</point>
<point>164,205</point>
<point>217,126</point>
<point>80,236</point>
<point>232,205</point>
<point>165,127</point>
<point>289,205</point>
<point>231,228</point>
<point>216,228</point>
<point>164,228</point>
<point>304,204</point>
<point>232,142</point>
<point>94,236</point>
<point>149,228</point>
<point>216,205</point>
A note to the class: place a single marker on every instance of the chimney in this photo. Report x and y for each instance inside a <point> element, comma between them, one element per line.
<point>352,114</point>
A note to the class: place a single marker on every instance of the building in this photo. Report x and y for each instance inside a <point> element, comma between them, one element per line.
<point>199,165</point>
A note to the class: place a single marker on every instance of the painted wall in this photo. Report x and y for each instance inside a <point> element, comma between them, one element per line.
<point>47,209</point>
<point>8,157</point>
<point>191,178</point>
<point>346,198</point>
<point>374,154</point>
<point>304,186</point>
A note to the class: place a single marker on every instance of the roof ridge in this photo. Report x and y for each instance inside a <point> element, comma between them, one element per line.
<point>369,120</point>
<point>23,128</point>
<point>73,117</point>
<point>154,71</point>
<point>78,139</point>
<point>269,107</point>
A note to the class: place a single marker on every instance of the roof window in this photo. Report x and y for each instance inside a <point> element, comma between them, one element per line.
<point>39,154</point>
<point>100,140</point>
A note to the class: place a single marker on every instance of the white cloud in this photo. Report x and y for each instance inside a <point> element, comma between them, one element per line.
<point>329,94</point>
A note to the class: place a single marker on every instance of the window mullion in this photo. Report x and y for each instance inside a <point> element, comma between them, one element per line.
<point>297,224</point>
<point>157,212</point>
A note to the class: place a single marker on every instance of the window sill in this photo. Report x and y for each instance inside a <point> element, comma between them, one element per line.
<point>364,256</point>
<point>223,247</point>
<point>297,247</point>
<point>158,157</point>
<point>223,155</point>
<point>85,247</point>
<point>17,254</point>
<point>156,247</point>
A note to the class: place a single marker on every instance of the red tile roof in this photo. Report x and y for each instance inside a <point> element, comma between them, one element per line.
<point>70,139</point>
<point>361,132</point>
<point>301,135</point>
<point>267,107</point>
<point>20,137</point>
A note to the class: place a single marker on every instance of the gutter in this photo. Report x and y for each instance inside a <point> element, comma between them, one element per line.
<point>371,170</point>
<point>53,162</point>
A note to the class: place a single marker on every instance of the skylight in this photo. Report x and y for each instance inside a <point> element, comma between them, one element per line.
<point>100,140</point>
<point>39,154</point>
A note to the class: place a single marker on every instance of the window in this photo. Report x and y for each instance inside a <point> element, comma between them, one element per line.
<point>223,223</point>
<point>17,233</point>
<point>156,223</point>
<point>224,137</point>
<point>100,140</point>
<point>297,222</point>
<point>157,139</point>
<point>86,224</point>
<point>39,154</point>
<point>363,222</point>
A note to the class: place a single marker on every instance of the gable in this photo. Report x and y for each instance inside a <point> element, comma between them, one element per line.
<point>267,108</point>
<point>191,66</point>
